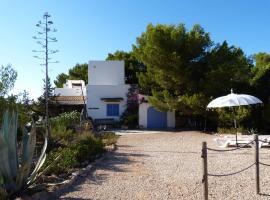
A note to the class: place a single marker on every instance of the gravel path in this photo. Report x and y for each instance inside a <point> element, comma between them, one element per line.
<point>168,165</point>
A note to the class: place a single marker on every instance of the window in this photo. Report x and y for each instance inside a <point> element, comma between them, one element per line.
<point>112,109</point>
<point>76,85</point>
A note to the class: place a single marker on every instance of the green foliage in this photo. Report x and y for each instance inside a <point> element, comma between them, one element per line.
<point>131,121</point>
<point>40,105</point>
<point>226,116</point>
<point>130,116</point>
<point>8,76</point>
<point>61,80</point>
<point>132,65</point>
<point>262,59</point>
<point>109,138</point>
<point>86,149</point>
<point>231,130</point>
<point>63,127</point>
<point>261,77</point>
<point>174,58</point>
<point>78,72</point>
<point>3,194</point>
<point>66,119</point>
<point>228,67</point>
<point>185,69</point>
<point>64,164</point>
<point>260,84</point>
<point>61,134</point>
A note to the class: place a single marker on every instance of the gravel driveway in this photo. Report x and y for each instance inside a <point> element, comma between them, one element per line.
<point>168,165</point>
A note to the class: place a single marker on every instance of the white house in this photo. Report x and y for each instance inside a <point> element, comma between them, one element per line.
<point>106,90</point>
<point>151,118</point>
<point>72,93</point>
<point>106,94</point>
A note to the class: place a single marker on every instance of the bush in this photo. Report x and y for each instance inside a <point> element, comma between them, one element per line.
<point>226,116</point>
<point>72,156</point>
<point>63,127</point>
<point>88,148</point>
<point>66,119</point>
<point>3,194</point>
<point>131,121</point>
<point>61,134</point>
<point>64,164</point>
<point>241,130</point>
<point>109,138</point>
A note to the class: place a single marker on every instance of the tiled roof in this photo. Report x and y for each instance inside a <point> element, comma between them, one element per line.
<point>71,100</point>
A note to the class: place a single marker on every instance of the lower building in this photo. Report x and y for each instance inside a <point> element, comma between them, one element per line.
<point>151,118</point>
<point>106,101</point>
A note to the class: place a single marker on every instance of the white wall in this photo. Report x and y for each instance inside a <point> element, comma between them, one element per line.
<point>143,107</point>
<point>171,119</point>
<point>143,114</point>
<point>69,91</point>
<point>96,108</point>
<point>68,83</point>
<point>106,73</point>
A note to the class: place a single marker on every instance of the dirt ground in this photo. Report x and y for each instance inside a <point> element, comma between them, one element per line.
<point>167,165</point>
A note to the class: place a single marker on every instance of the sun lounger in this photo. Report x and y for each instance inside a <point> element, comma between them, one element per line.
<point>230,140</point>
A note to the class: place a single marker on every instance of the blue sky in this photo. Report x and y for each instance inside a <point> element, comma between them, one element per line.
<point>90,29</point>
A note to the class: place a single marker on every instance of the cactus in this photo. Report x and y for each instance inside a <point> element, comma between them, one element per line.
<point>14,170</point>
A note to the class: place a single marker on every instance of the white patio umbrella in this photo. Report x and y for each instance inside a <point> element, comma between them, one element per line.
<point>232,100</point>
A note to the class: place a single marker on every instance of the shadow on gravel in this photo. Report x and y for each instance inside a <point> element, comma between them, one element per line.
<point>113,161</point>
<point>70,198</point>
<point>123,146</point>
<point>174,152</point>
<point>264,194</point>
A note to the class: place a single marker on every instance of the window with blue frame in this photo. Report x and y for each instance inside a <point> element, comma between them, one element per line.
<point>112,109</point>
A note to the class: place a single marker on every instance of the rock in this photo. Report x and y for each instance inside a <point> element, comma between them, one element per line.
<point>76,173</point>
<point>89,167</point>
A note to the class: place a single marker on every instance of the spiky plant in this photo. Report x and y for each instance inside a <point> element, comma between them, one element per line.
<point>15,172</point>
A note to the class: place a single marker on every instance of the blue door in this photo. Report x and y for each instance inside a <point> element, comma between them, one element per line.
<point>156,119</point>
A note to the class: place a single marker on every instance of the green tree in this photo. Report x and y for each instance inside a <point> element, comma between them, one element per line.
<point>132,65</point>
<point>228,67</point>
<point>60,80</point>
<point>261,76</point>
<point>78,72</point>
<point>175,64</point>
<point>8,76</point>
<point>260,83</point>
<point>184,69</point>
<point>39,106</point>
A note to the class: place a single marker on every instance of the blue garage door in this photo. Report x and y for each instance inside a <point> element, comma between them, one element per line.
<point>156,119</point>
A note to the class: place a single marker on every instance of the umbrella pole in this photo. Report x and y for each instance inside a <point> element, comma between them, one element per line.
<point>234,121</point>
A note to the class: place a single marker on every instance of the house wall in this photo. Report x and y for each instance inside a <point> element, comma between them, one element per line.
<point>96,108</point>
<point>143,114</point>
<point>143,107</point>
<point>106,73</point>
<point>69,91</point>
<point>68,83</point>
<point>171,119</point>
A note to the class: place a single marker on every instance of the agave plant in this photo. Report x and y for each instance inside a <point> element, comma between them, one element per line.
<point>14,169</point>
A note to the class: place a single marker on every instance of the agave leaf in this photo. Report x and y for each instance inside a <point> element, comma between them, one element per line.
<point>50,165</point>
<point>35,173</point>
<point>4,166</point>
<point>40,162</point>
<point>8,172</point>
<point>12,144</point>
<point>29,143</point>
<point>5,125</point>
<point>22,169</point>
